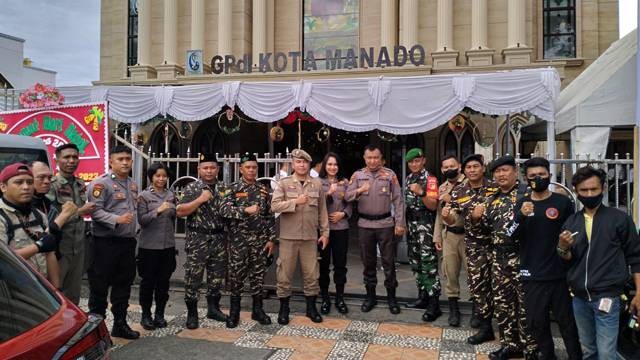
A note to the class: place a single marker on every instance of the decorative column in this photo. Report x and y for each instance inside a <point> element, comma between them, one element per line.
<point>169,69</point>
<point>517,52</point>
<point>389,23</point>
<point>198,30</point>
<point>479,54</point>
<point>271,10</point>
<point>225,13</point>
<point>410,23</point>
<point>445,56</point>
<point>259,29</point>
<point>143,69</point>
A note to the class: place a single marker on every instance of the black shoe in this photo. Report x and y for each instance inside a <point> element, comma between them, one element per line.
<point>312,312</point>
<point>370,301</point>
<point>234,312</point>
<point>146,321</point>
<point>506,353</point>
<point>433,309</point>
<point>158,316</point>
<point>454,312</point>
<point>475,320</point>
<point>257,313</point>
<point>325,307</point>
<point>122,330</point>
<point>484,334</point>
<point>213,308</point>
<point>192,314</point>
<point>392,302</point>
<point>283,314</point>
<point>421,302</point>
<point>535,356</point>
<point>340,305</point>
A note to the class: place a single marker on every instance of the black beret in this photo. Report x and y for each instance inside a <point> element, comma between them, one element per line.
<point>473,157</point>
<point>504,160</point>
<point>208,157</point>
<point>247,157</point>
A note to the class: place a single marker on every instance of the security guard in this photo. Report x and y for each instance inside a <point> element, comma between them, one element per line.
<point>301,201</point>
<point>421,199</point>
<point>205,244</point>
<point>113,255</point>
<point>378,192</point>
<point>251,237</point>
<point>65,186</point>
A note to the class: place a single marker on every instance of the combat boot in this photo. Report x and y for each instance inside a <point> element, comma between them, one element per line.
<point>257,313</point>
<point>121,329</point>
<point>392,301</point>
<point>475,320</point>
<point>484,334</point>
<point>370,301</point>
<point>213,308</point>
<point>454,312</point>
<point>234,312</point>
<point>158,317</point>
<point>433,309</point>
<point>283,314</point>
<point>505,353</point>
<point>421,302</point>
<point>312,312</point>
<point>325,307</point>
<point>192,314</point>
<point>340,305</point>
<point>145,320</point>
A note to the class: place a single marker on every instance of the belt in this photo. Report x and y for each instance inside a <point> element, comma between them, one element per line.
<point>375,217</point>
<point>206,231</point>
<point>113,239</point>
<point>459,230</point>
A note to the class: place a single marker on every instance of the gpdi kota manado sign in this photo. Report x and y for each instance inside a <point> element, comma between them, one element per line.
<point>84,125</point>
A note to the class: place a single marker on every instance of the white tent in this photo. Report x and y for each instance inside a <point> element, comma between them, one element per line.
<point>601,97</point>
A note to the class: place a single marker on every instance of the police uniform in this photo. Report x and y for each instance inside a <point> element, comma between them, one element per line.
<point>248,235</point>
<point>71,247</point>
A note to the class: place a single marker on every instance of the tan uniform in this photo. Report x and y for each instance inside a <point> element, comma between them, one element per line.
<point>451,236</point>
<point>299,227</point>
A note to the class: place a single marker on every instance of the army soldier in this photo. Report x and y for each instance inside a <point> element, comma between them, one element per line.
<point>205,245</point>
<point>301,201</point>
<point>251,234</point>
<point>113,254</point>
<point>65,187</point>
<point>498,214</point>
<point>421,199</point>
<point>452,242</point>
<point>376,189</point>
<point>464,198</point>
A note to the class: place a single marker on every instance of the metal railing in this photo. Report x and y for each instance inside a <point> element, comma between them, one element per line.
<point>10,99</point>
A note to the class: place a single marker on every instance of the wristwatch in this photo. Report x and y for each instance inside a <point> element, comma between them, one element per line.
<point>39,244</point>
<point>562,252</point>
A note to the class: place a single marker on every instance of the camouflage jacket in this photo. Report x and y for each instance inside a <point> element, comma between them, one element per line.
<point>464,199</point>
<point>209,215</point>
<point>500,213</point>
<point>242,194</point>
<point>416,210</point>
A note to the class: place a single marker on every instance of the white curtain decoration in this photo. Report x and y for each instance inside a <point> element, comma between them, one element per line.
<point>399,105</point>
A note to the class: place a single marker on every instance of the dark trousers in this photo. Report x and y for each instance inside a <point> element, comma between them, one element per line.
<point>540,297</point>
<point>336,251</point>
<point>155,268</point>
<point>369,239</point>
<point>113,265</point>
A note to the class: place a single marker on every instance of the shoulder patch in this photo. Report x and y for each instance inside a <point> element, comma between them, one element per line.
<point>97,190</point>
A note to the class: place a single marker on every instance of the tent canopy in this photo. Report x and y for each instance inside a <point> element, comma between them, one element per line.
<point>399,105</point>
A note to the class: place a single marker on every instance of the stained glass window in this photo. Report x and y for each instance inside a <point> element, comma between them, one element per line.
<point>559,29</point>
<point>330,25</point>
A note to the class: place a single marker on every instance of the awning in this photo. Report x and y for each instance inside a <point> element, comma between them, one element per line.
<point>398,105</point>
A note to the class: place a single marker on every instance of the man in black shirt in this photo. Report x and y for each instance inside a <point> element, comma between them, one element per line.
<point>537,225</point>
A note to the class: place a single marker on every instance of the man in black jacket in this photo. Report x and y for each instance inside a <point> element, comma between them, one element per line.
<point>601,245</point>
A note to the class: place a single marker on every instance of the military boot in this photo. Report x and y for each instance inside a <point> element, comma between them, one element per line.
<point>122,330</point>
<point>234,312</point>
<point>484,334</point>
<point>283,314</point>
<point>158,317</point>
<point>325,307</point>
<point>340,305</point>
<point>454,312</point>
<point>145,320</point>
<point>257,313</point>
<point>421,302</point>
<point>370,301</point>
<point>213,308</point>
<point>433,309</point>
<point>312,312</point>
<point>392,301</point>
<point>475,320</point>
<point>192,314</point>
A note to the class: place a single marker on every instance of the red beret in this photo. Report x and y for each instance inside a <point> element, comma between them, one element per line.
<point>14,170</point>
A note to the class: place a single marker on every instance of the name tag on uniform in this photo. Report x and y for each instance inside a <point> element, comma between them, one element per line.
<point>119,196</point>
<point>242,195</point>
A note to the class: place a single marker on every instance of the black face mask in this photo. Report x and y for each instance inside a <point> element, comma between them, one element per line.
<point>539,184</point>
<point>591,202</point>
<point>451,173</point>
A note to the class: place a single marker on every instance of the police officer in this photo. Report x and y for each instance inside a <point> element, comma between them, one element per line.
<point>251,238</point>
<point>498,215</point>
<point>451,243</point>
<point>301,201</point>
<point>464,198</point>
<point>376,189</point>
<point>421,199</point>
<point>205,244</point>
<point>66,187</point>
<point>113,255</point>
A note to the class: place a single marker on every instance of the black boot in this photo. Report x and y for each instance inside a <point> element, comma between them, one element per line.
<point>484,334</point>
<point>421,302</point>
<point>146,321</point>
<point>234,312</point>
<point>312,312</point>
<point>506,353</point>
<point>257,313</point>
<point>454,312</point>
<point>122,330</point>
<point>370,301</point>
<point>213,308</point>
<point>475,320</point>
<point>283,314</point>
<point>392,302</point>
<point>325,307</point>
<point>340,305</point>
<point>433,309</point>
<point>158,317</point>
<point>192,314</point>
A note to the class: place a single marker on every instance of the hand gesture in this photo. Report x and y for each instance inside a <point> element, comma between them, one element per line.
<point>323,241</point>
<point>335,217</point>
<point>164,207</point>
<point>69,209</point>
<point>477,213</point>
<point>252,210</point>
<point>446,198</point>
<point>446,210</point>
<point>416,189</point>
<point>364,187</point>
<point>438,245</point>
<point>634,307</point>
<point>302,199</point>
<point>125,219</point>
<point>268,248</point>
<point>399,230</point>
<point>566,240</point>
<point>332,189</point>
<point>205,196</point>
<point>527,208</point>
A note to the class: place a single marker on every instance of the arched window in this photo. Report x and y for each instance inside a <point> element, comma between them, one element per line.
<point>559,29</point>
<point>457,138</point>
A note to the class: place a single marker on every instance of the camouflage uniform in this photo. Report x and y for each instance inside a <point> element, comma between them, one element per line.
<point>477,239</point>
<point>422,251</point>
<point>205,244</point>
<point>508,294</point>
<point>248,235</point>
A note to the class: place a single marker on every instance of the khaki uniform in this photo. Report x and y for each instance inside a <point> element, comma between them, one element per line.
<point>381,208</point>
<point>299,227</point>
<point>451,236</point>
<point>72,245</point>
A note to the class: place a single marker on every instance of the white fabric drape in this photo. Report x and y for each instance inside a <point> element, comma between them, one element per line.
<point>399,105</point>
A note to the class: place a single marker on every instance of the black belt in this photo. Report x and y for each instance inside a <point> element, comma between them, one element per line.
<point>113,238</point>
<point>459,230</point>
<point>375,217</point>
<point>206,231</point>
